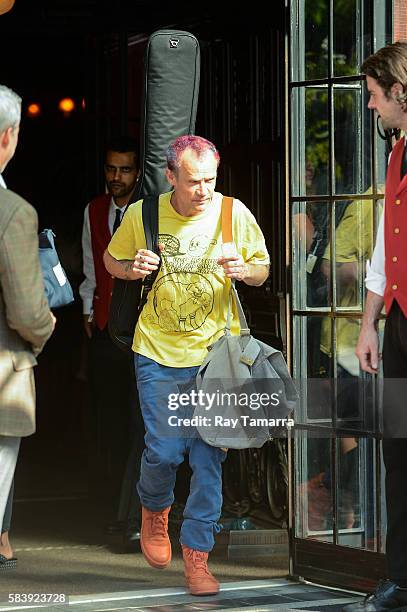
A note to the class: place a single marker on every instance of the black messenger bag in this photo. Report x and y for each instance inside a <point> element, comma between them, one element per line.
<point>129,297</point>
<point>170,101</point>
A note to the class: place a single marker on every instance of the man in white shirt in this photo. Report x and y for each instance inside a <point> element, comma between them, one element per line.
<point>386,281</point>
<point>114,408</point>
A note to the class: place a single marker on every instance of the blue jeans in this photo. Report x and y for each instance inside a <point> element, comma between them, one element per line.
<point>165,451</point>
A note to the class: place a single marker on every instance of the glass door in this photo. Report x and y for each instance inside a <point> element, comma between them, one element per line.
<point>337,174</point>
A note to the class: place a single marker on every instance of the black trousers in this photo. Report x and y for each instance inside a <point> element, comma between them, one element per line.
<point>395,441</point>
<point>116,423</point>
<point>129,510</point>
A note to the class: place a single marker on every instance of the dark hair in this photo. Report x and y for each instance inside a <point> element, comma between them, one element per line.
<point>388,66</point>
<point>123,144</point>
<point>198,144</point>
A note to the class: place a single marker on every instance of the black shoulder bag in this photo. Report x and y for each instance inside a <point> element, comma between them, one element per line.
<point>129,297</point>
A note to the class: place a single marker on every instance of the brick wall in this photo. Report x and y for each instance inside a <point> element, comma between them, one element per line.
<point>400,20</point>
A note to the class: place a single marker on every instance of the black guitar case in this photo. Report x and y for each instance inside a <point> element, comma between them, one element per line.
<point>169,106</point>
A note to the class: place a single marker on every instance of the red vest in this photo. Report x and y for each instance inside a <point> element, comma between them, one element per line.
<point>100,235</point>
<point>395,232</point>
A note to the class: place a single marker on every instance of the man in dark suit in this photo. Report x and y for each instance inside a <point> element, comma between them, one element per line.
<point>26,322</point>
<point>115,412</point>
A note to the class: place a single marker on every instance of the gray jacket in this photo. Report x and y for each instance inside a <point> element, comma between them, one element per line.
<point>25,320</point>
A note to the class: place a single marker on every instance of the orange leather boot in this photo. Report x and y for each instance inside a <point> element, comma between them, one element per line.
<point>154,541</point>
<point>199,579</point>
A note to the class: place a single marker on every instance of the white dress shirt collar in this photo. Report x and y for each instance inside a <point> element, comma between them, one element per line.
<point>114,206</point>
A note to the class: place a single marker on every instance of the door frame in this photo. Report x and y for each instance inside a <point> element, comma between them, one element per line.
<point>327,563</point>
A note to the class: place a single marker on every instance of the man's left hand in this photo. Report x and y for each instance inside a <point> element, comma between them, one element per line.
<point>234,267</point>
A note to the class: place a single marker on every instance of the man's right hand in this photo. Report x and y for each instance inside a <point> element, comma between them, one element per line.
<point>53,319</point>
<point>367,349</point>
<point>144,263</point>
<point>88,325</point>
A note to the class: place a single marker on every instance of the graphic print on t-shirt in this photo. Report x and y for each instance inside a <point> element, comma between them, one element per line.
<point>183,295</point>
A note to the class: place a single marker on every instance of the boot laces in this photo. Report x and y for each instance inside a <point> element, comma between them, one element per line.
<point>158,524</point>
<point>199,560</point>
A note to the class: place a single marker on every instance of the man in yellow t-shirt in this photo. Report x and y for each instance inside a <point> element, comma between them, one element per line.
<point>185,312</point>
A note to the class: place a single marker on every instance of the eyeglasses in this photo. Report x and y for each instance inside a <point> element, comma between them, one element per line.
<point>121,169</point>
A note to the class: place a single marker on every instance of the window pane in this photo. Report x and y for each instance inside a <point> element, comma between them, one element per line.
<point>314,511</point>
<point>354,242</point>
<point>316,163</point>
<point>356,503</point>
<point>352,26</point>
<point>351,139</point>
<point>308,363</point>
<point>367,26</point>
<point>384,11</point>
<point>316,39</point>
<point>345,40</point>
<point>355,392</point>
<point>354,238</point>
<point>311,233</point>
<point>313,370</point>
<point>310,141</point>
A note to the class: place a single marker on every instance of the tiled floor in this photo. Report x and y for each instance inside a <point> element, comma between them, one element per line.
<point>277,594</point>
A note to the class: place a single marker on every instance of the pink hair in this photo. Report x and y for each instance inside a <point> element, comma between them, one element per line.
<point>198,144</point>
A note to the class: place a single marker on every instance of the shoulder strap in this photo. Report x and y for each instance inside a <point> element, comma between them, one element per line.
<point>150,223</point>
<point>227,236</point>
<point>227,206</point>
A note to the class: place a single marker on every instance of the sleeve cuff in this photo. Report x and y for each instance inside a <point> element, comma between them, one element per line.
<point>374,281</point>
<point>87,306</point>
